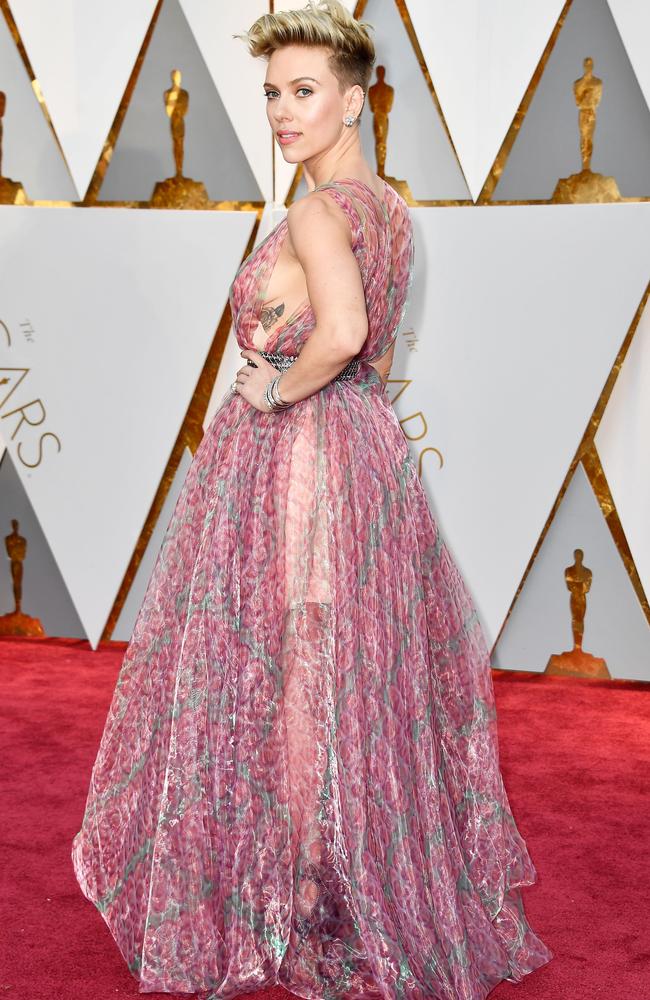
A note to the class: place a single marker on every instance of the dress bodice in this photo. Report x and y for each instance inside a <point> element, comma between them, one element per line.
<point>382,242</point>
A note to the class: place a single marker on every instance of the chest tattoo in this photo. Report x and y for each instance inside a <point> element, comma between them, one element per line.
<point>270,314</point>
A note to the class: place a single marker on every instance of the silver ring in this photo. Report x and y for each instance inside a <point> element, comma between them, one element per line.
<point>234,386</point>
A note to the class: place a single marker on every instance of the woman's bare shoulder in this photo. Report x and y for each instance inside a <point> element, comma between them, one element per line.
<point>314,202</point>
<point>319,215</point>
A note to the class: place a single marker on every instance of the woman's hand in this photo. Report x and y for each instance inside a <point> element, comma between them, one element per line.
<point>251,382</point>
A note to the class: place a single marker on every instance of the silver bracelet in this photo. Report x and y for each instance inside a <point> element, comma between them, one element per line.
<point>275,392</point>
<point>272,395</point>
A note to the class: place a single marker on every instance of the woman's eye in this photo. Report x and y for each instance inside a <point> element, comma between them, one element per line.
<point>270,93</point>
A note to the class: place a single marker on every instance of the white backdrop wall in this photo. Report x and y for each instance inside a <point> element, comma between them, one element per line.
<point>516,317</point>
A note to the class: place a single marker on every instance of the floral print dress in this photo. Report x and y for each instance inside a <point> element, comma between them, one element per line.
<point>298,780</point>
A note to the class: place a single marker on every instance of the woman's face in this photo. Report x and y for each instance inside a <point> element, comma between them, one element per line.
<point>303,99</point>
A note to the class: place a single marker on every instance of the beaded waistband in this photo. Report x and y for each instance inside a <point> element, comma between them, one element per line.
<point>284,361</point>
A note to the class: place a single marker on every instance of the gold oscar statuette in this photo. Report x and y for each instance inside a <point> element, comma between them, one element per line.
<point>17,623</point>
<point>586,187</point>
<point>380,98</point>
<point>178,191</point>
<point>11,192</point>
<point>576,662</point>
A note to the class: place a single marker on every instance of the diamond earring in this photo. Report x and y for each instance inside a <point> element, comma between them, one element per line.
<point>349,120</point>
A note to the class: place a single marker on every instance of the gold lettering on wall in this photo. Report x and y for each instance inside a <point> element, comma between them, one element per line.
<point>27,413</point>
<point>411,340</point>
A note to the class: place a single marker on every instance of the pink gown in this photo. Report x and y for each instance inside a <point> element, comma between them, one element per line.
<point>298,780</point>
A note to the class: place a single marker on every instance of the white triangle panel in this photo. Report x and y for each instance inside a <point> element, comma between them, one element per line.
<point>633,22</point>
<point>481,58</point>
<point>513,331</point>
<point>82,54</point>
<point>108,317</point>
<point>623,443</point>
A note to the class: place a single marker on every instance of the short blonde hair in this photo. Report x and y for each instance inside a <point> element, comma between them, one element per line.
<point>321,22</point>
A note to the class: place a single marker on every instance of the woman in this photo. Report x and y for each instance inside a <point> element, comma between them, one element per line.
<point>298,781</point>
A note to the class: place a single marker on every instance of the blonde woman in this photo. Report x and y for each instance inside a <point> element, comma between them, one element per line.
<point>298,781</point>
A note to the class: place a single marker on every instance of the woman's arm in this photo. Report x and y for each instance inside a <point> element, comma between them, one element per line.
<point>322,241</point>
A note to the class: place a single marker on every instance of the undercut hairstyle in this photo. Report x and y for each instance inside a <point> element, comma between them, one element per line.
<point>321,23</point>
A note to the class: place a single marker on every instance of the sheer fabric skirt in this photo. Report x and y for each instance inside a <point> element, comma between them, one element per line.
<point>298,780</point>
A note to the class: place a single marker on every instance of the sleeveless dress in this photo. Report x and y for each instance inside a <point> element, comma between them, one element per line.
<point>298,781</point>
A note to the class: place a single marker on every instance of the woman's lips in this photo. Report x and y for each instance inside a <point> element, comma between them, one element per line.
<point>290,137</point>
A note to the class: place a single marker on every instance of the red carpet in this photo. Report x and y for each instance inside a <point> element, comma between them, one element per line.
<point>576,761</point>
